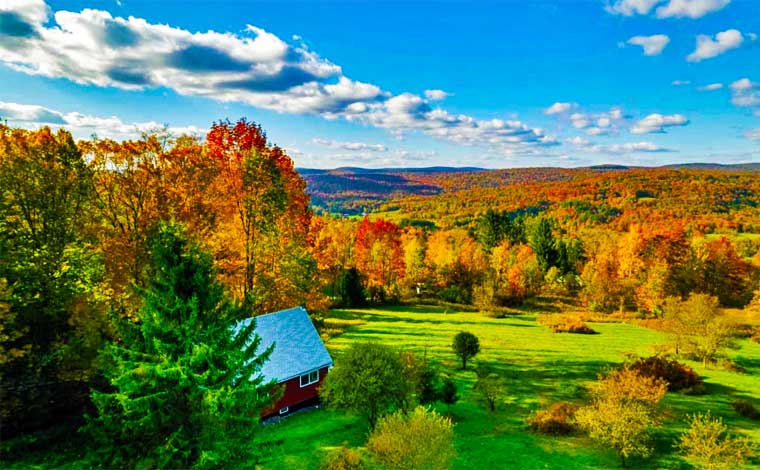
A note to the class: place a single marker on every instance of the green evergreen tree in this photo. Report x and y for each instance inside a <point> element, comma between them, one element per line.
<point>351,289</point>
<point>543,244</point>
<point>185,391</point>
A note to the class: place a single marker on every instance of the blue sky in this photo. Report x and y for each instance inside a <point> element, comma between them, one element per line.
<point>337,83</point>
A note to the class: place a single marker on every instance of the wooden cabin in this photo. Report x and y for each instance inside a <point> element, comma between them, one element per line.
<point>299,361</point>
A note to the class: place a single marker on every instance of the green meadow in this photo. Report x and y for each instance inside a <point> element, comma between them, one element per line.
<point>538,367</point>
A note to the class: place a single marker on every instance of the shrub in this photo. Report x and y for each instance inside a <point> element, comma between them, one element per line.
<point>623,412</point>
<point>678,376</point>
<point>422,439</point>
<point>566,324</point>
<point>342,458</point>
<point>707,444</point>
<point>557,419</point>
<point>746,409</point>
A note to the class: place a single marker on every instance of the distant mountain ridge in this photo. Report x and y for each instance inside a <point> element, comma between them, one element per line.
<point>351,190</point>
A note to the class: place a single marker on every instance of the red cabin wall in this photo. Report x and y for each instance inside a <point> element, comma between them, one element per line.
<point>295,394</point>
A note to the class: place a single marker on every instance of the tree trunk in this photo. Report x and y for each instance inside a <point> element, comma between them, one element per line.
<point>464,363</point>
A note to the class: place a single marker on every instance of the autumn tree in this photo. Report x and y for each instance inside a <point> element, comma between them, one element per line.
<point>457,262</point>
<point>261,243</point>
<point>53,319</point>
<point>623,412</point>
<point>185,388</point>
<point>137,184</point>
<point>419,440</point>
<point>333,243</point>
<point>698,327</point>
<point>380,258</point>
<point>514,276</point>
<point>603,289</point>
<point>723,273</point>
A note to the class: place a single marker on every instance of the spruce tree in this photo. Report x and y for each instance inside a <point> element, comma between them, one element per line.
<point>185,391</point>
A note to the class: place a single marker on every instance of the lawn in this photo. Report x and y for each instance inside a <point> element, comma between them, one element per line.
<point>539,367</point>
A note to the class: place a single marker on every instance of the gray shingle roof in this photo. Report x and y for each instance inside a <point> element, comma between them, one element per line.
<point>298,348</point>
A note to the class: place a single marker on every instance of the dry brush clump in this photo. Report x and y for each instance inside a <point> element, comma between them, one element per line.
<point>747,409</point>
<point>342,458</point>
<point>566,324</point>
<point>558,419</point>
<point>680,377</point>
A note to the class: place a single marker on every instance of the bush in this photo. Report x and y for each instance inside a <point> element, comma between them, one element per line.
<point>746,409</point>
<point>557,419</point>
<point>707,444</point>
<point>678,376</point>
<point>566,324</point>
<point>342,458</point>
<point>420,440</point>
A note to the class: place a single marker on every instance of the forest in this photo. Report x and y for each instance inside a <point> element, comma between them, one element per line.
<point>125,263</point>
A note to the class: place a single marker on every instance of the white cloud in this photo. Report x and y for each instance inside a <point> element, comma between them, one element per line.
<point>690,8</point>
<point>657,123</point>
<point>256,67</point>
<point>711,87</point>
<point>595,124</point>
<point>559,108</point>
<point>580,120</point>
<point>630,147</point>
<point>632,7</point>
<point>745,94</point>
<point>82,125</point>
<point>666,8</point>
<point>680,82</point>
<point>616,149</point>
<point>578,141</point>
<point>652,45</point>
<point>753,134</point>
<point>353,146</point>
<point>707,47</point>
<point>436,95</point>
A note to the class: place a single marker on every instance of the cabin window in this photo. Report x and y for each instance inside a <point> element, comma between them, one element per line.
<point>284,410</point>
<point>310,378</point>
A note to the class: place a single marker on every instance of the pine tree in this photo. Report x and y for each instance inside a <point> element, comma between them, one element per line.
<point>184,384</point>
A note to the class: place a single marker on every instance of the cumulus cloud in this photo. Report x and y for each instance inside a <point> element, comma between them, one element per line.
<point>656,123</point>
<point>254,67</point>
<point>82,125</point>
<point>652,45</point>
<point>745,94</point>
<point>616,149</point>
<point>711,87</point>
<point>707,47</point>
<point>436,95</point>
<point>559,108</point>
<point>631,7</point>
<point>353,146</point>
<point>690,8</point>
<point>666,8</point>
<point>595,124</point>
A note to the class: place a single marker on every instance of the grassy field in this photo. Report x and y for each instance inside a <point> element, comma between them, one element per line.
<point>539,367</point>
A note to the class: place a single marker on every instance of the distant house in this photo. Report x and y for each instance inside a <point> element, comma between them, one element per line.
<point>299,360</point>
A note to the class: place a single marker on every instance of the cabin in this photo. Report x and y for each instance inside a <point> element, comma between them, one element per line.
<point>299,361</point>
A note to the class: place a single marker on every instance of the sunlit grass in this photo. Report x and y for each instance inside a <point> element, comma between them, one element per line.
<point>539,367</point>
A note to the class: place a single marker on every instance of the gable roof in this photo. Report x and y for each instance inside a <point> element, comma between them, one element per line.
<point>298,348</point>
